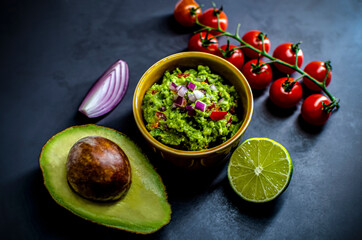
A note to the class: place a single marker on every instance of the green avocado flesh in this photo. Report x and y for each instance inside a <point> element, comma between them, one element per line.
<point>144,209</point>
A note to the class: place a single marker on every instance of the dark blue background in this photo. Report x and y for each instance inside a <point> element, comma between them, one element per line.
<point>51,52</point>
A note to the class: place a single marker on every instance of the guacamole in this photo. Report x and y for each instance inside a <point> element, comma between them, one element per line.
<point>191,110</point>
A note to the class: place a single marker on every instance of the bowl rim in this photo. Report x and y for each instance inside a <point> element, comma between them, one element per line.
<point>139,117</point>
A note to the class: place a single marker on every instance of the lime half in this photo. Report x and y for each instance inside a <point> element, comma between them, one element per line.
<point>260,169</point>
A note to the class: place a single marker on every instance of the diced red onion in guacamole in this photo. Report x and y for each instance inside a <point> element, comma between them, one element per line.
<point>191,86</point>
<point>198,94</point>
<point>213,87</point>
<point>188,107</point>
<point>172,86</point>
<point>200,106</point>
<point>191,97</point>
<point>181,91</point>
<point>190,111</point>
<point>180,101</point>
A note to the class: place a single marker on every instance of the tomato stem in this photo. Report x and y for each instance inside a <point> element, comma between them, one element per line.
<point>329,68</point>
<point>300,77</point>
<point>227,52</point>
<point>288,85</point>
<point>295,47</point>
<point>206,41</point>
<point>334,105</point>
<point>256,68</point>
<point>268,63</point>
<point>193,10</point>
<point>262,36</point>
<point>334,101</point>
<point>218,22</point>
<point>237,30</point>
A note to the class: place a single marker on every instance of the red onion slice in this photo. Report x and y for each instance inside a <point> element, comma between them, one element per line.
<point>104,91</point>
<point>107,92</point>
<point>111,85</point>
<point>113,97</point>
<point>200,106</point>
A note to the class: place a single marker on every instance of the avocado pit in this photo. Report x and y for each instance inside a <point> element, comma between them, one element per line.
<point>98,169</point>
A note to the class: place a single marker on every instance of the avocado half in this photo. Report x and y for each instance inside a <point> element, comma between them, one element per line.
<point>144,209</point>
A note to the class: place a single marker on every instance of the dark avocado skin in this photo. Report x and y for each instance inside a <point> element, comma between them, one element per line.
<point>98,169</point>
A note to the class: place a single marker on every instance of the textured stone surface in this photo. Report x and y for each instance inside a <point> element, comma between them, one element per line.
<point>51,52</point>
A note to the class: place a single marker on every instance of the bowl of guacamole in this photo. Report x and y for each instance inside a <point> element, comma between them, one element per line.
<point>193,108</point>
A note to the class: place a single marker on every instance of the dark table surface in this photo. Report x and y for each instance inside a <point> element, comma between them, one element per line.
<point>51,52</point>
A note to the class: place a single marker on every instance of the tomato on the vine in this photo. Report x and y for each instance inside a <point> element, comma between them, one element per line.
<point>285,92</point>
<point>201,42</point>
<point>258,74</point>
<point>313,109</point>
<point>317,70</point>
<point>233,54</point>
<point>209,18</point>
<point>254,38</point>
<point>287,52</point>
<point>185,12</point>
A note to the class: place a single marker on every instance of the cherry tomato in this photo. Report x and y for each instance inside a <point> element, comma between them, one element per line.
<point>209,18</point>
<point>201,42</point>
<point>254,38</point>
<point>233,54</point>
<point>284,93</point>
<point>258,77</point>
<point>312,109</point>
<point>185,12</point>
<point>287,53</point>
<point>318,71</point>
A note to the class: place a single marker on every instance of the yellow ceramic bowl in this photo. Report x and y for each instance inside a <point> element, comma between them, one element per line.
<point>207,157</point>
